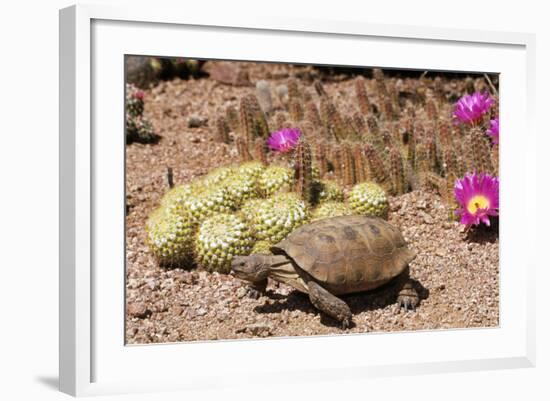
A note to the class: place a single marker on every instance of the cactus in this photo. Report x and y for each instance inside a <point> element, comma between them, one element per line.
<point>217,176</point>
<point>495,159</point>
<point>431,109</point>
<point>376,167</point>
<point>263,247</point>
<point>388,112</point>
<point>295,109</point>
<point>134,101</point>
<point>293,90</point>
<point>411,148</point>
<point>328,191</point>
<point>260,151</point>
<point>450,162</point>
<point>360,126</point>
<point>374,137</point>
<point>362,98</point>
<point>348,166</point>
<point>321,157</point>
<point>331,209</point>
<point>274,218</point>
<point>422,163</point>
<point>252,169</point>
<point>173,201</point>
<point>222,130</point>
<point>232,118</point>
<point>219,239</point>
<point>369,199</point>
<point>140,129</point>
<point>480,151</point>
<point>332,120</point>
<point>303,171</point>
<point>397,172</point>
<point>249,208</point>
<point>360,163</point>
<point>252,120</point>
<point>281,121</point>
<point>208,200</point>
<point>336,160</point>
<point>312,115</point>
<point>170,236</point>
<point>275,179</point>
<point>241,188</point>
<point>242,149</point>
<point>319,89</point>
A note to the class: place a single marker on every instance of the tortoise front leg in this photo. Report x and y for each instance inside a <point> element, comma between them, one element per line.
<point>407,298</point>
<point>255,290</point>
<point>329,304</point>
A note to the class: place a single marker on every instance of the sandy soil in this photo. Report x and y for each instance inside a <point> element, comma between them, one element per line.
<point>457,272</point>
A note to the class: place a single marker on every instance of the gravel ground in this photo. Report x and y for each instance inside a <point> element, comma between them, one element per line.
<point>456,271</point>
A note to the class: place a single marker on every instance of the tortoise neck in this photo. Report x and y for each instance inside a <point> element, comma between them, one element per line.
<point>278,260</point>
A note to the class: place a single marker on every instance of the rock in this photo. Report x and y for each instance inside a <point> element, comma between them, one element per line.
<point>188,278</point>
<point>177,310</point>
<point>201,312</point>
<point>196,121</point>
<point>426,217</point>
<point>139,310</point>
<point>241,292</point>
<point>191,314</point>
<point>227,73</point>
<point>421,205</point>
<point>151,283</point>
<point>263,93</point>
<point>282,93</point>
<point>257,329</point>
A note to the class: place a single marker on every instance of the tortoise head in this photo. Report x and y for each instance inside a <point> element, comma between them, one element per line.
<point>253,268</point>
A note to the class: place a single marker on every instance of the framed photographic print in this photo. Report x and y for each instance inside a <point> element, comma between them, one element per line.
<point>319,190</point>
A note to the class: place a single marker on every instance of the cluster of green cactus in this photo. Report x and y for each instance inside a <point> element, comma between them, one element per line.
<point>244,209</point>
<point>138,127</point>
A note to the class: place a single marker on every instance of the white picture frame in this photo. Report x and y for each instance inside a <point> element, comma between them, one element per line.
<point>93,357</point>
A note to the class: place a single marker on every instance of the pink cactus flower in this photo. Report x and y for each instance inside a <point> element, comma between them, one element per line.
<point>469,109</point>
<point>477,195</point>
<point>494,130</point>
<point>284,140</point>
<point>139,94</point>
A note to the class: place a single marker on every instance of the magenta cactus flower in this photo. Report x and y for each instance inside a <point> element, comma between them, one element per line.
<point>139,94</point>
<point>477,195</point>
<point>493,130</point>
<point>470,109</point>
<point>284,140</point>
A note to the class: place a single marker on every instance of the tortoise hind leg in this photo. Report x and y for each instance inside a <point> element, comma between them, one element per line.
<point>407,297</point>
<point>329,304</point>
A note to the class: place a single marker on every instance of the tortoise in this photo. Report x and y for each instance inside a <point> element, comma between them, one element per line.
<point>335,256</point>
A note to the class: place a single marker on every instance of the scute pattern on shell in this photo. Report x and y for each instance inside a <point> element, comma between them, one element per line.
<point>348,251</point>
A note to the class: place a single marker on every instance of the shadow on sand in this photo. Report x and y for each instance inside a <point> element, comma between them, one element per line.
<point>360,302</point>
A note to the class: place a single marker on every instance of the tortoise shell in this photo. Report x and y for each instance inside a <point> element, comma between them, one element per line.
<point>348,253</point>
